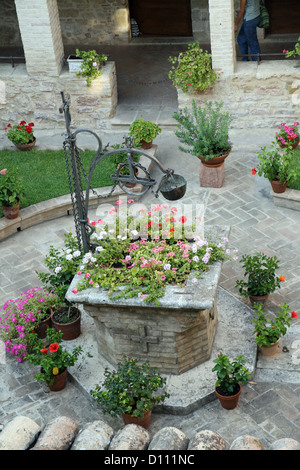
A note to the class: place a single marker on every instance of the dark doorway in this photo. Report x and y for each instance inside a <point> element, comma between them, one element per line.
<point>162,17</point>
<point>284,16</point>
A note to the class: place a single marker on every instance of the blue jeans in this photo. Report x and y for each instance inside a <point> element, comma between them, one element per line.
<point>247,39</point>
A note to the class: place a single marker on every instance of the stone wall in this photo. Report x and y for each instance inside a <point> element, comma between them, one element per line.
<point>37,98</point>
<point>256,95</point>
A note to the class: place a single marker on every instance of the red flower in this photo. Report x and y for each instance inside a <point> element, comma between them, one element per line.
<point>44,351</point>
<point>31,124</point>
<point>53,347</point>
<point>28,130</point>
<point>254,171</point>
<point>8,125</point>
<point>294,314</point>
<point>22,123</point>
<point>182,219</point>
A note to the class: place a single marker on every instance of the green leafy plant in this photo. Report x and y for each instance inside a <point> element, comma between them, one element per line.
<point>130,389</point>
<point>11,187</point>
<point>52,359</point>
<point>275,164</point>
<point>62,266</point>
<point>141,130</point>
<point>141,257</point>
<point>19,317</point>
<point>230,373</point>
<point>91,66</point>
<point>205,130</point>
<point>261,272</point>
<point>122,157</point>
<point>192,69</point>
<point>268,331</point>
<point>20,134</point>
<point>295,51</point>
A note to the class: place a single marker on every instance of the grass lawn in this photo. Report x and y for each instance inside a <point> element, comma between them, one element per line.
<point>295,183</point>
<point>44,172</point>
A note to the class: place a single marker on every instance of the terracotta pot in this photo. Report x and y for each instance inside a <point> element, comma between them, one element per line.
<point>27,147</point>
<point>41,329</point>
<point>284,146</point>
<point>71,330</point>
<point>143,421</point>
<point>146,145</point>
<point>270,350</point>
<point>278,186</point>
<point>215,162</point>
<point>229,402</point>
<point>60,381</point>
<point>11,212</point>
<point>258,298</point>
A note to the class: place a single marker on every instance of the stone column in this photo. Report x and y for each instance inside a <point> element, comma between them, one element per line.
<point>41,36</point>
<point>222,36</point>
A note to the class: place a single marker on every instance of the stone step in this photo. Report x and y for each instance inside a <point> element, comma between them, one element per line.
<point>125,115</point>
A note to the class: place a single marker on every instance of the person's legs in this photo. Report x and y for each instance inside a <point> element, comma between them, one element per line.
<point>251,37</point>
<point>243,43</point>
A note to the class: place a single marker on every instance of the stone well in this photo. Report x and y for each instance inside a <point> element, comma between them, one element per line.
<point>175,337</point>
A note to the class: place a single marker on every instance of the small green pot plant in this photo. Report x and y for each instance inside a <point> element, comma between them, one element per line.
<point>12,191</point>
<point>192,70</point>
<point>52,359</point>
<point>91,66</point>
<point>130,391</point>
<point>204,131</point>
<point>268,331</point>
<point>144,132</point>
<point>262,279</point>
<point>230,376</point>
<point>20,134</point>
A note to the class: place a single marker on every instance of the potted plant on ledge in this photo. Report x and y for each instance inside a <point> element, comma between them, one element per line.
<point>11,191</point>
<point>21,135</point>
<point>262,278</point>
<point>288,136</point>
<point>269,331</point>
<point>204,132</point>
<point>52,359</point>
<point>144,132</point>
<point>89,65</point>
<point>231,375</point>
<point>274,165</point>
<point>130,392</point>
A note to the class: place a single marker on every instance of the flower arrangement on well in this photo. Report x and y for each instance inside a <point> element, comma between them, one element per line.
<point>91,66</point>
<point>11,187</point>
<point>20,134</point>
<point>142,130</point>
<point>269,331</point>
<point>192,69</point>
<point>287,135</point>
<point>144,254</point>
<point>19,317</point>
<point>52,359</point>
<point>204,131</point>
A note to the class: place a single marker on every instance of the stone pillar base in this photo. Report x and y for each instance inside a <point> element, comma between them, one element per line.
<point>212,177</point>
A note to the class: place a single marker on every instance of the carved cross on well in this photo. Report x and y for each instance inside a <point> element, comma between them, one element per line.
<point>143,338</point>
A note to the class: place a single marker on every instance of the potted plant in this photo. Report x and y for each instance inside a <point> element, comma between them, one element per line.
<point>288,136</point>
<point>11,191</point>
<point>262,278</point>
<point>130,392</point>
<point>21,135</point>
<point>204,132</point>
<point>91,65</point>
<point>144,132</point>
<point>120,161</point>
<point>52,359</point>
<point>274,165</point>
<point>295,51</point>
<point>231,375</point>
<point>62,266</point>
<point>269,331</point>
<point>159,254</point>
<point>19,317</point>
<point>192,70</point>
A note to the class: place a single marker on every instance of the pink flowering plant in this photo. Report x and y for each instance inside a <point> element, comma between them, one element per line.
<point>19,318</point>
<point>287,135</point>
<point>145,259</point>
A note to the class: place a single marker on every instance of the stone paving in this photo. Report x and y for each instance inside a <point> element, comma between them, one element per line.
<point>269,408</point>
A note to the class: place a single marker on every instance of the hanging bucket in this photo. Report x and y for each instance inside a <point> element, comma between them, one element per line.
<point>173,187</point>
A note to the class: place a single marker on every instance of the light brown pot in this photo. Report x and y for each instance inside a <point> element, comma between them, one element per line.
<point>229,402</point>
<point>11,212</point>
<point>143,421</point>
<point>215,162</point>
<point>27,147</point>
<point>258,298</point>
<point>294,145</point>
<point>146,145</point>
<point>269,351</point>
<point>70,330</point>
<point>60,381</point>
<point>278,186</point>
